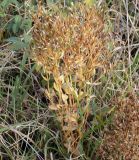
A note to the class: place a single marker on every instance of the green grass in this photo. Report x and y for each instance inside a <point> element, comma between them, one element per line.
<point>28,130</point>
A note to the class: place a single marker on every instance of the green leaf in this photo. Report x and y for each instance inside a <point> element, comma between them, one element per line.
<point>27,38</point>
<point>17,22</point>
<point>135,63</point>
<point>26,24</point>
<point>17,18</point>
<point>49,2</point>
<point>13,39</point>
<point>18,45</point>
<point>5,3</point>
<point>2,14</point>
<point>90,2</point>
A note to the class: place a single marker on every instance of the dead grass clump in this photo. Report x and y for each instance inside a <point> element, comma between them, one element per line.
<point>69,46</point>
<point>121,139</point>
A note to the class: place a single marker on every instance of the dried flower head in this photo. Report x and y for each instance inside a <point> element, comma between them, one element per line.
<point>70,45</point>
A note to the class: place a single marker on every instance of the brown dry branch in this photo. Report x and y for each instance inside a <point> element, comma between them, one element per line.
<point>69,46</point>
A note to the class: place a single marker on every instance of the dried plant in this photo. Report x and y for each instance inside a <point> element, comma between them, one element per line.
<point>69,45</point>
<point>121,138</point>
